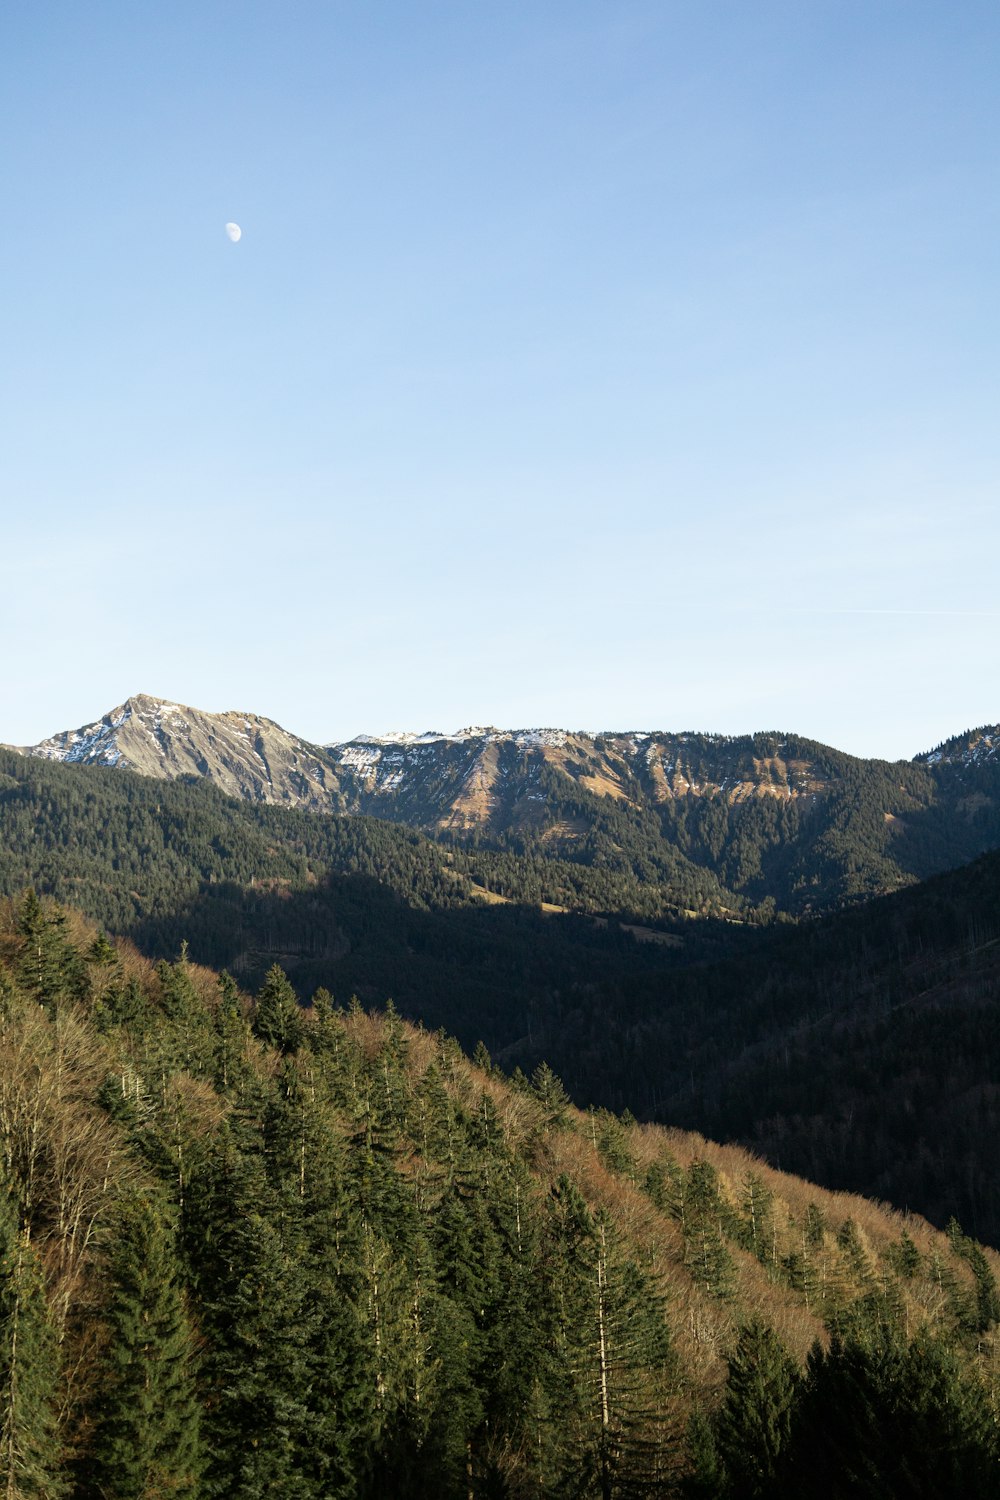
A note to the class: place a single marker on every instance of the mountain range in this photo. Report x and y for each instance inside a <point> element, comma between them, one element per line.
<point>774,966</point>
<point>738,820</point>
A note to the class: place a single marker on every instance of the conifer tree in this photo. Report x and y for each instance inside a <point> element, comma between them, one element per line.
<point>148,1436</point>
<point>611,1334</point>
<point>124,1005</point>
<point>706,1478</point>
<point>231,1035</point>
<point>49,968</point>
<point>250,1275</point>
<point>182,1042</point>
<point>758,1218</point>
<point>553,1098</point>
<point>703,1215</point>
<point>276,1018</point>
<point>987,1311</point>
<point>305,1157</point>
<point>29,1450</point>
<point>755,1421</point>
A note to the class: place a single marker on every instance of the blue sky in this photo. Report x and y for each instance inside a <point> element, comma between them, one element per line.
<point>601,365</point>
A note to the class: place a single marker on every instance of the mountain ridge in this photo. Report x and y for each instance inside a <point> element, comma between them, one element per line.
<point>248,754</point>
<point>764,822</point>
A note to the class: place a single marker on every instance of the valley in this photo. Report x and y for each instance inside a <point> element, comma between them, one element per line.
<point>762,954</point>
<point>408,1274</point>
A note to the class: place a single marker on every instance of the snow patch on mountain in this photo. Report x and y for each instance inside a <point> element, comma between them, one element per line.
<point>973,749</point>
<point>523,738</point>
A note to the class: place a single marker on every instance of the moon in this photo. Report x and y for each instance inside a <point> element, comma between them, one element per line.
<point>234,232</point>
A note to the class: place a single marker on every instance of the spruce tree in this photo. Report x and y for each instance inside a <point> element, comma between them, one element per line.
<point>879,1418</point>
<point>250,1274</point>
<point>147,1440</point>
<point>703,1215</point>
<point>706,1478</point>
<point>29,1449</point>
<point>276,1017</point>
<point>754,1424</point>
<point>231,1036</point>
<point>49,968</point>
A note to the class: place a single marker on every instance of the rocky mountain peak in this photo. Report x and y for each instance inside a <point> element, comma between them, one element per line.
<point>244,754</point>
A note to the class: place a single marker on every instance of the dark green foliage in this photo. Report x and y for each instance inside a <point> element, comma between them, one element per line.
<point>885,1419</point>
<point>706,1478</point>
<point>276,1018</point>
<point>49,967</point>
<point>551,1095</point>
<point>29,1448</point>
<point>987,1297</point>
<point>758,1219</point>
<point>815,1225</point>
<point>664,1183</point>
<point>337,1261</point>
<point>754,1426</point>
<point>610,1332</point>
<point>232,1034</point>
<point>907,1257</point>
<point>250,1282</point>
<point>705,1220</point>
<point>147,1438</point>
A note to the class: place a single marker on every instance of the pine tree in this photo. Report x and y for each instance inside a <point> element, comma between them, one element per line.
<point>148,1439</point>
<point>754,1424</point>
<point>276,1017</point>
<point>882,1418</point>
<point>29,1450</point>
<point>49,967</point>
<point>250,1274</point>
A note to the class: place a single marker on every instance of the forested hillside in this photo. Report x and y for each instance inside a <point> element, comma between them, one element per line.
<point>860,1050</point>
<point>658,821</point>
<point>249,1250</point>
<point>352,903</point>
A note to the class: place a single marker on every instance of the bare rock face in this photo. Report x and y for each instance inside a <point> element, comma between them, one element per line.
<point>479,777</point>
<point>497,777</point>
<point>530,780</point>
<point>241,753</point>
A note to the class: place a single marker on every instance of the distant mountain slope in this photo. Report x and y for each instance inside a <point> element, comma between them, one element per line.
<point>354,902</point>
<point>240,753</point>
<point>761,821</point>
<point>976,747</point>
<point>862,1048</point>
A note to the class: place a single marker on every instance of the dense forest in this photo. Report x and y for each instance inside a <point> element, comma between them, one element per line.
<point>252,1248</point>
<point>854,829</point>
<point>859,1049</point>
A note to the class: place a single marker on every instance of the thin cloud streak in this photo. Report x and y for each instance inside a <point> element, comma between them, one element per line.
<point>757,609</point>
